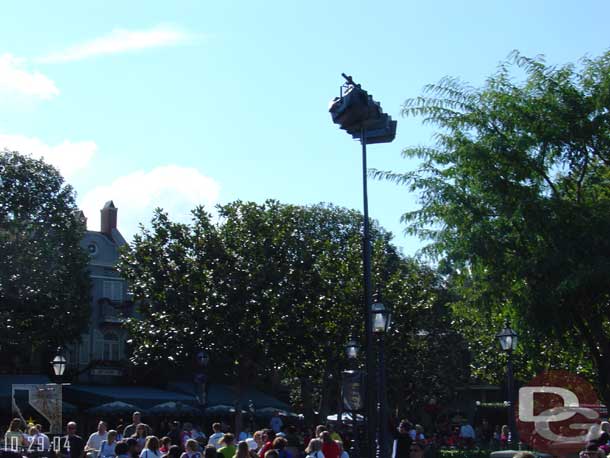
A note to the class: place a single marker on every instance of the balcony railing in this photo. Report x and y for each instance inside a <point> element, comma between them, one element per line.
<point>112,312</point>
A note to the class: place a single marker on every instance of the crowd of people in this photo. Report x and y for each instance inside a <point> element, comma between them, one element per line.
<point>186,440</point>
<point>181,440</point>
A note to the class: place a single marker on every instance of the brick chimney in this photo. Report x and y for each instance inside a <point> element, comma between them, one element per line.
<point>108,218</point>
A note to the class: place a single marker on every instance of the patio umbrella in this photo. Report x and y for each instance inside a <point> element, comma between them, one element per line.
<point>172,407</point>
<point>345,417</point>
<point>116,407</point>
<point>221,409</point>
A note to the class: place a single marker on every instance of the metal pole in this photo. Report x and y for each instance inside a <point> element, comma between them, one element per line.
<point>514,442</point>
<point>383,420</point>
<point>366,260</point>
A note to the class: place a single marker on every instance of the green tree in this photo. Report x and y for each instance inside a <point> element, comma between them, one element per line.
<point>274,291</point>
<point>44,285</point>
<point>515,201</point>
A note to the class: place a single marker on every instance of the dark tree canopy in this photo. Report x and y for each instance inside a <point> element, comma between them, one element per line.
<point>274,291</point>
<point>515,200</point>
<point>44,285</point>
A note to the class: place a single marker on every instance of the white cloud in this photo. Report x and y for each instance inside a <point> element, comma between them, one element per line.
<point>119,41</point>
<point>15,78</point>
<point>175,189</point>
<point>69,157</point>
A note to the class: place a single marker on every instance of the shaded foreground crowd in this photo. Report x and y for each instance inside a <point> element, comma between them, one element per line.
<point>137,440</point>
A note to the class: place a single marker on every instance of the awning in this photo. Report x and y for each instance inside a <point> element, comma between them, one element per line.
<point>226,395</point>
<point>143,397</point>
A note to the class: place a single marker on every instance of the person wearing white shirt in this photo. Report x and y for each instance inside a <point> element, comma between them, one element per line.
<point>151,448</point>
<point>95,439</point>
<point>215,438</point>
<point>38,440</point>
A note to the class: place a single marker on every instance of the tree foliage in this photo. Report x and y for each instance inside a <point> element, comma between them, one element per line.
<point>273,291</point>
<point>44,286</point>
<point>515,201</point>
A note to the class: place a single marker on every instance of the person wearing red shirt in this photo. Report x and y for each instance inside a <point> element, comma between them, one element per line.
<point>330,448</point>
<point>268,437</point>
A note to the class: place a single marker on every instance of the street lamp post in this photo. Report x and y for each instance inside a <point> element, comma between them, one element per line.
<point>380,323</point>
<point>356,112</point>
<point>508,342</point>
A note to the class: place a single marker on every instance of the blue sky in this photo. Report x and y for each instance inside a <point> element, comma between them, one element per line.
<point>185,102</point>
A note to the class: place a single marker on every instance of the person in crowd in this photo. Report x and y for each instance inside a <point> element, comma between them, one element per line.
<point>314,449</point>
<point>174,452</point>
<point>216,436</point>
<point>272,454</point>
<point>191,449</point>
<point>133,447</point>
<point>402,441</point>
<point>151,448</point>
<point>72,445</point>
<point>174,433</point>
<point>14,437</point>
<point>329,446</point>
<point>417,434</point>
<point>108,446</point>
<point>320,429</point>
<point>592,450</point>
<point>268,438</point>
<point>210,452</point>
<point>122,450</point>
<point>342,452</point>
<point>504,437</point>
<point>276,422</point>
<point>199,436</point>
<point>38,440</point>
<point>252,446</point>
<point>604,438</point>
<point>130,430</point>
<point>186,434</point>
<point>165,442</point>
<point>279,444</point>
<point>257,437</point>
<point>95,439</point>
<point>140,436</point>
<point>120,427</point>
<point>243,450</point>
<point>228,448</point>
<point>467,435</point>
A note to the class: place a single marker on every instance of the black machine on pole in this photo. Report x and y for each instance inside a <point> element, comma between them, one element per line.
<point>356,112</point>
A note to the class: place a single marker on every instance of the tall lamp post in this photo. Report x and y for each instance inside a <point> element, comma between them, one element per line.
<point>356,112</point>
<point>53,391</point>
<point>508,342</point>
<point>380,322</point>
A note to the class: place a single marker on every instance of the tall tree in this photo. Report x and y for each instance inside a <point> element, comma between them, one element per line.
<point>515,199</point>
<point>44,285</point>
<point>273,290</point>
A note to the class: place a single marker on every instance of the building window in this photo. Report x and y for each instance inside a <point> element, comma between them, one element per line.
<point>83,350</point>
<point>113,290</point>
<point>111,347</point>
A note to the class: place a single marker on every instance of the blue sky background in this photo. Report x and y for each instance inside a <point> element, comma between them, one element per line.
<point>185,102</point>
